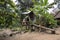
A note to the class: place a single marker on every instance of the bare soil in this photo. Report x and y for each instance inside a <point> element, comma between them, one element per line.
<point>33,36</point>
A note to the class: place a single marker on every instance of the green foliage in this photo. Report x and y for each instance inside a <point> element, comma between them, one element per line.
<point>10,14</point>
<point>25,4</point>
<point>49,20</point>
<point>7,15</point>
<point>41,7</point>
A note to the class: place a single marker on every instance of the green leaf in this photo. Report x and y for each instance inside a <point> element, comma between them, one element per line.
<point>45,2</point>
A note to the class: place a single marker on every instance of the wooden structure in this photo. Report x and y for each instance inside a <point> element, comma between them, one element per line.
<point>56,12</point>
<point>57,17</point>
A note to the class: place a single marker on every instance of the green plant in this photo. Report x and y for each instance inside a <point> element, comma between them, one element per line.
<point>7,13</point>
<point>41,7</point>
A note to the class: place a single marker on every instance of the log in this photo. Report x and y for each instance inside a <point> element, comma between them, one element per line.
<point>53,30</point>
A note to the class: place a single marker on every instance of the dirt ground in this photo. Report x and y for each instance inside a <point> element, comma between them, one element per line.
<point>34,36</point>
